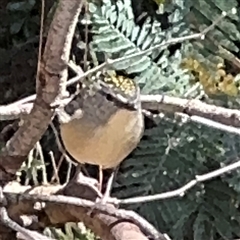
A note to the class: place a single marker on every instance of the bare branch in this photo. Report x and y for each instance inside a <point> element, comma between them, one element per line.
<point>180,192</point>
<point>161,103</point>
<point>212,124</point>
<point>194,110</point>
<point>221,118</point>
<point>11,112</point>
<point>105,220</point>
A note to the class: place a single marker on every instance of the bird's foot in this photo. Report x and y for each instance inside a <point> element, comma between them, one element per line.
<point>104,200</point>
<point>106,197</point>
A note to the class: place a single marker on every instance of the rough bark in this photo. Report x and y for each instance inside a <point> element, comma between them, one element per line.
<point>49,85</point>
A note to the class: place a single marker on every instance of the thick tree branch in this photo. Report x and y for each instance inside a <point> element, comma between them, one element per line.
<point>50,84</point>
<point>105,220</point>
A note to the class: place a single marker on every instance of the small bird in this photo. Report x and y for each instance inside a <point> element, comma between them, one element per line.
<point>101,126</point>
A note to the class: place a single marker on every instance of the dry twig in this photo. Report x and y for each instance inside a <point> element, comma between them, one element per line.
<point>180,192</point>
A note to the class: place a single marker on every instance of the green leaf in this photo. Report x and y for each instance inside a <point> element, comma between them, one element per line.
<point>17,26</point>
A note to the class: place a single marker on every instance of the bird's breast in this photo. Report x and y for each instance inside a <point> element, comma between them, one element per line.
<point>104,144</point>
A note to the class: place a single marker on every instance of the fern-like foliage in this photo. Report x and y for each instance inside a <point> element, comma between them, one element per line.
<point>71,231</point>
<point>172,153</point>
<point>219,47</point>
<point>223,39</point>
<point>117,35</point>
<point>168,157</point>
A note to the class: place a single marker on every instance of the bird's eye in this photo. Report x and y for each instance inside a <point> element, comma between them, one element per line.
<point>109,97</point>
<point>70,109</point>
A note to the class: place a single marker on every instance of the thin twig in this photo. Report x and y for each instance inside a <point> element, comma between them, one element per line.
<point>55,170</point>
<point>86,37</point>
<point>211,124</point>
<point>180,192</point>
<point>43,167</point>
<point>14,111</point>
<point>109,62</point>
<point>60,146</point>
<point>192,90</point>
<point>40,39</point>
<point>28,166</point>
<point>68,172</point>
<point>64,154</point>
